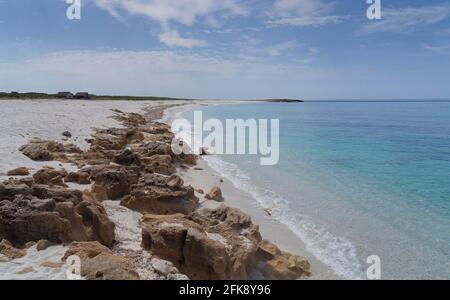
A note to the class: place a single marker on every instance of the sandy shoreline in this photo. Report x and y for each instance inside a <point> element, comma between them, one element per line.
<point>81,117</point>
<point>271,229</point>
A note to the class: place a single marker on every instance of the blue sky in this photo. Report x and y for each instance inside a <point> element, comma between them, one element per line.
<point>308,49</point>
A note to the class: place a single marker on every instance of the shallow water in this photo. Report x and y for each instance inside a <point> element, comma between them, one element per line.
<point>356,179</point>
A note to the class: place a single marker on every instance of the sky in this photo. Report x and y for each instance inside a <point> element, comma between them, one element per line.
<point>228,49</point>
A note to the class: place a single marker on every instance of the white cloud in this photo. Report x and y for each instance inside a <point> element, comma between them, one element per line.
<point>311,21</point>
<point>184,12</point>
<point>172,38</point>
<point>277,49</point>
<point>405,20</point>
<point>306,13</point>
<point>445,49</point>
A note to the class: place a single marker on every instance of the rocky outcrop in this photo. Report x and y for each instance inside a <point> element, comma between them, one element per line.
<point>205,244</point>
<point>44,150</point>
<point>79,177</point>
<point>50,176</point>
<point>36,152</point>
<point>161,164</point>
<point>99,263</point>
<point>43,245</point>
<point>160,194</point>
<point>278,265</point>
<point>127,158</point>
<point>26,214</point>
<point>19,172</point>
<point>111,185</point>
<point>222,243</point>
<point>215,194</point>
<point>136,165</point>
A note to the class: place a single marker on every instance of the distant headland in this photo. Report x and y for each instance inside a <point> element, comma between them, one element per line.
<point>89,96</point>
<point>79,95</point>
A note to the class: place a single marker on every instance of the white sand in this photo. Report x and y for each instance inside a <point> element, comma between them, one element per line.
<point>11,270</point>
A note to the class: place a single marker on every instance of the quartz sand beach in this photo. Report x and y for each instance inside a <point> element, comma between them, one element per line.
<point>23,120</point>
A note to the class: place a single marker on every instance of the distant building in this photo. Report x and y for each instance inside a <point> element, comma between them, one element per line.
<point>65,95</point>
<point>82,96</point>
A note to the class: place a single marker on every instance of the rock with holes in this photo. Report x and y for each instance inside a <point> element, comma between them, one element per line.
<point>111,185</point>
<point>160,194</point>
<point>99,263</point>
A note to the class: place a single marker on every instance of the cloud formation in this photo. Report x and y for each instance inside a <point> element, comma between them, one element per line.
<point>305,13</point>
<point>409,19</point>
<point>165,12</point>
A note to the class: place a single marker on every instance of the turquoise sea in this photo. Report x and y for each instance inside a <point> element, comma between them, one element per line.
<point>355,179</point>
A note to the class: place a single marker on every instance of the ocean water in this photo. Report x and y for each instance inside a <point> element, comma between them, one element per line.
<point>355,179</point>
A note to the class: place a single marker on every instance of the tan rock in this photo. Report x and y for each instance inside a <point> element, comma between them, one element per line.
<point>78,177</point>
<point>154,195</point>
<point>208,244</point>
<point>278,265</point>
<point>43,245</point>
<point>99,263</point>
<point>111,185</point>
<point>161,164</point>
<point>50,176</point>
<point>11,252</point>
<point>215,194</point>
<point>19,172</point>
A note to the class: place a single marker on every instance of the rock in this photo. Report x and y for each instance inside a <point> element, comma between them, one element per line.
<point>99,263</point>
<point>154,195</point>
<point>9,190</point>
<point>95,220</point>
<point>29,244</point>
<point>215,194</point>
<point>161,164</point>
<point>175,181</point>
<point>111,185</point>
<point>50,176</point>
<point>43,245</point>
<point>278,265</point>
<point>27,218</point>
<point>204,245</point>
<point>200,191</point>
<point>268,211</point>
<point>36,152</point>
<point>189,159</point>
<point>10,251</point>
<point>67,134</point>
<point>59,194</point>
<point>19,172</point>
<point>162,267</point>
<point>78,177</point>
<point>127,158</point>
